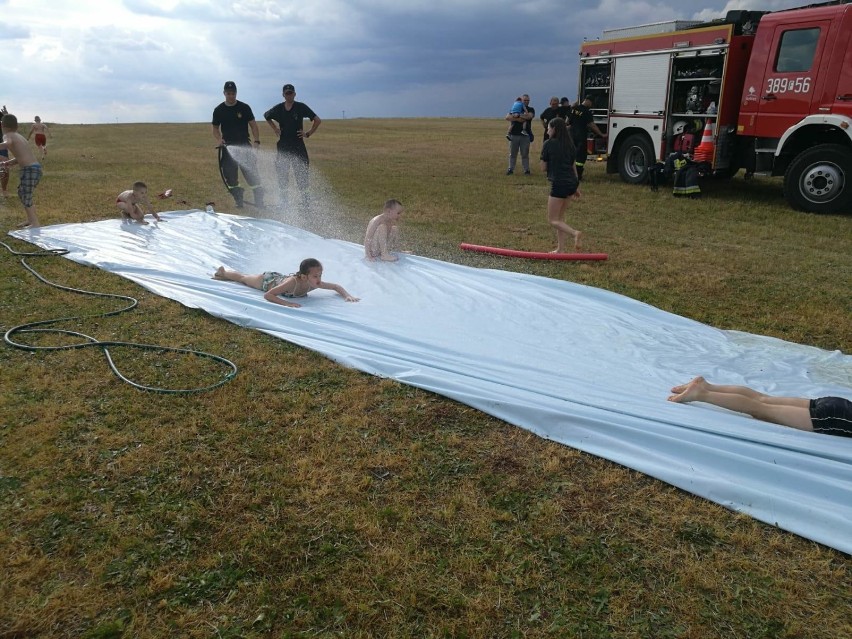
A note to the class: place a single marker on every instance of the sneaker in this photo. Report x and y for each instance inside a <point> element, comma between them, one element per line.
<point>509,172</point>
<point>526,172</point>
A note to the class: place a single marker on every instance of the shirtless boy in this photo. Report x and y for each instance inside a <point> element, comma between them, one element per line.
<point>382,235</point>
<point>17,145</point>
<point>41,133</point>
<point>129,202</point>
<point>4,155</point>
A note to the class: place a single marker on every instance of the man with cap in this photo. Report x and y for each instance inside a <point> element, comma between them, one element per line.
<point>581,120</point>
<point>231,122</point>
<point>287,121</point>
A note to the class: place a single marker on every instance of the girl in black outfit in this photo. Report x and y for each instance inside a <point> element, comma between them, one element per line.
<point>557,160</point>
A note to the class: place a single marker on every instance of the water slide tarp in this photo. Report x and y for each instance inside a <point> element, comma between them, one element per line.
<point>578,365</point>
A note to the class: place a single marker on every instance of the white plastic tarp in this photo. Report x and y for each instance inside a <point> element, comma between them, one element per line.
<point>579,365</point>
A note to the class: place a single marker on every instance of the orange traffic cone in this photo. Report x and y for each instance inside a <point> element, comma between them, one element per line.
<point>705,151</point>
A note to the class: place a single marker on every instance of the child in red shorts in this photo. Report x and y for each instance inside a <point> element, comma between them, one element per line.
<point>39,129</point>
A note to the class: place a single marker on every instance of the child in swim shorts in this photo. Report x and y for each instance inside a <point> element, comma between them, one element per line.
<point>275,285</point>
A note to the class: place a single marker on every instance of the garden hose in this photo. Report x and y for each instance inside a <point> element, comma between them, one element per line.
<point>36,327</point>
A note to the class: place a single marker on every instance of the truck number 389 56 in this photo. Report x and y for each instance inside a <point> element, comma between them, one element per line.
<point>788,85</point>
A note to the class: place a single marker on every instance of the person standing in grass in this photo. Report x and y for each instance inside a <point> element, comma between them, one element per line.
<point>40,130</point>
<point>827,415</point>
<point>557,162</point>
<point>581,121</point>
<point>231,122</point>
<point>275,285</point>
<point>552,111</point>
<point>31,171</point>
<point>382,235</point>
<point>520,136</point>
<point>4,155</point>
<point>286,119</point>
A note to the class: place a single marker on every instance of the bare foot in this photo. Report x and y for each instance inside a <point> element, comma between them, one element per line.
<point>578,241</point>
<point>688,392</point>
<point>219,274</point>
<point>389,258</point>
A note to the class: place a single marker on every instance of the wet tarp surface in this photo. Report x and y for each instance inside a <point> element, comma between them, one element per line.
<point>578,365</point>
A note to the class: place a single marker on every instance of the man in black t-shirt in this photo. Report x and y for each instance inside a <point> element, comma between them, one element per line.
<point>581,121</point>
<point>287,121</point>
<point>231,122</point>
<point>552,111</point>
<point>520,136</point>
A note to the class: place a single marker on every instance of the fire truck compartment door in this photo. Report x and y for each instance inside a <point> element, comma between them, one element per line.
<point>791,79</point>
<point>640,84</point>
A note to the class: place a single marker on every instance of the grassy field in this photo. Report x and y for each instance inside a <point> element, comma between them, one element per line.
<point>304,499</point>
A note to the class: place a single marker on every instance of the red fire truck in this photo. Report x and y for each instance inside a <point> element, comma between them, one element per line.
<point>775,87</point>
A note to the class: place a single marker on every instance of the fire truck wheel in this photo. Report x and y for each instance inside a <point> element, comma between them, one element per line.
<point>819,180</point>
<point>635,157</point>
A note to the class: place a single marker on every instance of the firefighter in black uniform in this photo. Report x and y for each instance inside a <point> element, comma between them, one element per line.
<point>581,121</point>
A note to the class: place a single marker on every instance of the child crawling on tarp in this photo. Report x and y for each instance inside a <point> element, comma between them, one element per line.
<point>828,415</point>
<point>382,236</point>
<point>308,278</point>
<point>128,202</point>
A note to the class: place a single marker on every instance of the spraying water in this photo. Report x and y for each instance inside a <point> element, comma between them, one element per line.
<point>316,209</point>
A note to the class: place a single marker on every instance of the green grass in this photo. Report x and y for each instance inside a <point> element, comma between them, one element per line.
<point>303,499</point>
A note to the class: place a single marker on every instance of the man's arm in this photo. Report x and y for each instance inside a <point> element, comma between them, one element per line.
<point>217,134</point>
<point>314,126</point>
<point>274,126</point>
<point>255,133</point>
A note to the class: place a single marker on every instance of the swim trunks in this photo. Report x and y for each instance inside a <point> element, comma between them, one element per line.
<point>271,279</point>
<point>832,416</point>
<point>40,139</point>
<point>30,175</point>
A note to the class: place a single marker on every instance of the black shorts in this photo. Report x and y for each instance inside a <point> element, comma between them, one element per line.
<point>832,416</point>
<point>563,190</point>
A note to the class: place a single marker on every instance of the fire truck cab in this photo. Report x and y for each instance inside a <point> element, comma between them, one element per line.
<point>770,93</point>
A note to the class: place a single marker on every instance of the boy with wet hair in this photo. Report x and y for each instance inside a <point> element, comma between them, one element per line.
<point>31,171</point>
<point>382,235</point>
<point>128,202</point>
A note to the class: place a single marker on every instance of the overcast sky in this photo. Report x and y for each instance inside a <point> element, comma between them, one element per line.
<point>92,61</point>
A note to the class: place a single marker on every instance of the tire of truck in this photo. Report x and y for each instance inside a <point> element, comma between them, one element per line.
<point>819,180</point>
<point>635,157</point>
